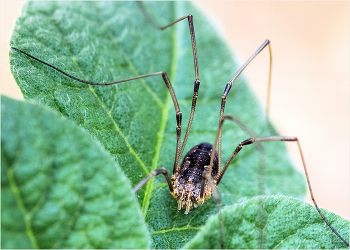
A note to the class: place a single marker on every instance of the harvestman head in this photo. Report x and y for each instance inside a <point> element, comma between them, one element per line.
<point>198,176</point>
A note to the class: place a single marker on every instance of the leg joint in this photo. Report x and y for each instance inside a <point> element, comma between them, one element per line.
<point>179,118</point>
<point>248,141</point>
<point>197,82</point>
<point>227,89</point>
<point>159,171</point>
<point>165,76</point>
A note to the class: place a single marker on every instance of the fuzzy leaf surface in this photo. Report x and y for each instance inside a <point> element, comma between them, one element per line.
<point>284,223</point>
<point>135,121</point>
<point>59,187</point>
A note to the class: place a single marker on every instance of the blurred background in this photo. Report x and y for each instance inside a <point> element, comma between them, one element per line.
<point>310,78</point>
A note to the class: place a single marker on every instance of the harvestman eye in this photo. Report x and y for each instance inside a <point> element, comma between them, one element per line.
<point>197,177</point>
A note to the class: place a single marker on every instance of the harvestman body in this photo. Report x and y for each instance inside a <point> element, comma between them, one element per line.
<point>196,178</point>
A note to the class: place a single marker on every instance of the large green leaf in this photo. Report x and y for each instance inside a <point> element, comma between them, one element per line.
<point>287,223</point>
<point>59,187</point>
<point>135,121</point>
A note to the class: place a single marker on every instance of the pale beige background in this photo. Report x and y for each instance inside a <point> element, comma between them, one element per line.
<point>310,82</point>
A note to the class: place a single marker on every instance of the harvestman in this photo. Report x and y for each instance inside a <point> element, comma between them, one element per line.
<point>197,177</point>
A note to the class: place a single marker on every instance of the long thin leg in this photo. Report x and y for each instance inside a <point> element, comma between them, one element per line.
<point>166,81</point>
<point>268,96</point>
<point>173,96</point>
<point>179,152</point>
<point>227,90</point>
<point>281,138</point>
<point>218,140</point>
<point>154,173</point>
<point>269,126</point>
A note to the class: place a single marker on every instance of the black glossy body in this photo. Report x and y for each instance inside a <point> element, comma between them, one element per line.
<point>192,166</point>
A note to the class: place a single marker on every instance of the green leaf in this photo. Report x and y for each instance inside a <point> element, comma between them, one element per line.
<point>284,223</point>
<point>135,121</point>
<point>59,187</point>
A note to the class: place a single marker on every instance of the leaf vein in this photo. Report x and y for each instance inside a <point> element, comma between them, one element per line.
<point>175,229</point>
